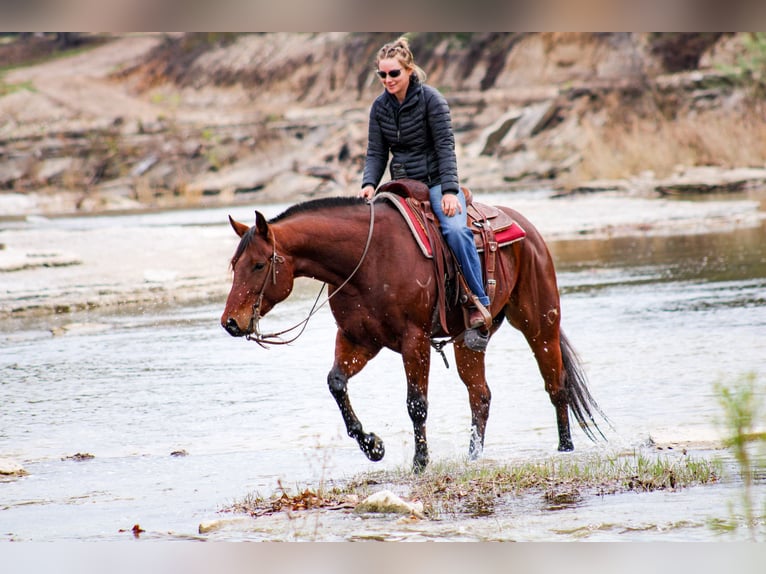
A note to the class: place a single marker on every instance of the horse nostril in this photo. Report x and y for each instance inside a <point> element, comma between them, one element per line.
<point>232,328</point>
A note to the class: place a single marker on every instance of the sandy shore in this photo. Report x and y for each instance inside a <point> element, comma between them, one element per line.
<point>59,266</point>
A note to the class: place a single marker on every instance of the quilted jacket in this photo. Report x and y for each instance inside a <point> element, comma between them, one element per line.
<point>418,136</point>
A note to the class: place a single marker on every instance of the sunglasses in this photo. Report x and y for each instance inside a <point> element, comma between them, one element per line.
<point>392,73</point>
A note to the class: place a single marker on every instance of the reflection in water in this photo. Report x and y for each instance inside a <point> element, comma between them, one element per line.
<point>734,256</point>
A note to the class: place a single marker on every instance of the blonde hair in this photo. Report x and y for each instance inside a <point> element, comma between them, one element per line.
<point>400,49</point>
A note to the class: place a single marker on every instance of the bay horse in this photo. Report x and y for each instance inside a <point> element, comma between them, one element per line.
<point>382,293</point>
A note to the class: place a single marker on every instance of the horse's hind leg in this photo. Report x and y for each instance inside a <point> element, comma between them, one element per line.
<point>470,367</point>
<point>349,360</point>
<point>540,325</point>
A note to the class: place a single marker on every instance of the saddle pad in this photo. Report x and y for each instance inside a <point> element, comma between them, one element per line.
<point>412,220</point>
<point>509,234</point>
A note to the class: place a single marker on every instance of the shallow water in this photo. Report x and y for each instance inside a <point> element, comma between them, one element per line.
<point>657,320</point>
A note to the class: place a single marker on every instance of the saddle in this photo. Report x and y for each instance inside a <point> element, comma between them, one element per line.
<point>491,227</point>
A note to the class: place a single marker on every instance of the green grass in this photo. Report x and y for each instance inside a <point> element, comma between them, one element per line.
<point>6,88</point>
<point>456,489</point>
<point>742,406</point>
<point>480,489</point>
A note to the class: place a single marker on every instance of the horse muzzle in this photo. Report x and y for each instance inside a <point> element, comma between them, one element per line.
<point>233,329</point>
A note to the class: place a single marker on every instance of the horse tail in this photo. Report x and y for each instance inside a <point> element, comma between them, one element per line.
<point>581,402</point>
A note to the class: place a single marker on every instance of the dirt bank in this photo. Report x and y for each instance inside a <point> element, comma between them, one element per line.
<point>169,121</point>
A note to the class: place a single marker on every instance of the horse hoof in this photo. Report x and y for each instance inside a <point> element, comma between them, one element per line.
<point>419,464</point>
<point>566,447</point>
<point>372,447</point>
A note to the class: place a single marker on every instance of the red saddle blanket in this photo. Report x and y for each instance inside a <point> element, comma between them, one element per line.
<point>506,230</point>
<point>492,228</point>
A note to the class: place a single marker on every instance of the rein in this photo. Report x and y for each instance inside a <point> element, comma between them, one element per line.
<point>264,339</point>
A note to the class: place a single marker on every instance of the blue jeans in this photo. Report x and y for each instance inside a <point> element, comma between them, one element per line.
<point>460,240</point>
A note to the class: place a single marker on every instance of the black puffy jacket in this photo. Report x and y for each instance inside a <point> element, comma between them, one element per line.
<point>417,134</point>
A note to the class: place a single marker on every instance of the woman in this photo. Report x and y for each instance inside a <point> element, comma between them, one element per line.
<point>411,121</point>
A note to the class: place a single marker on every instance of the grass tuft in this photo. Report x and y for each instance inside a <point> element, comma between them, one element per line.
<point>480,489</point>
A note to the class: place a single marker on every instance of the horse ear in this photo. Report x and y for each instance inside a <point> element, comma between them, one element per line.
<point>261,225</point>
<point>239,228</point>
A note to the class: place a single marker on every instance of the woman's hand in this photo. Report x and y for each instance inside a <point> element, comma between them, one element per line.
<point>367,192</point>
<point>451,205</point>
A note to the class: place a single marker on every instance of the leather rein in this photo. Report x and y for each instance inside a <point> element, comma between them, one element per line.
<point>265,339</point>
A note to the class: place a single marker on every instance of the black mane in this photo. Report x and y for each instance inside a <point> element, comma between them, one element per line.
<point>315,204</point>
<point>305,207</point>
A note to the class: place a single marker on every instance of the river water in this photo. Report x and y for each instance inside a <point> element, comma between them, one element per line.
<point>181,419</point>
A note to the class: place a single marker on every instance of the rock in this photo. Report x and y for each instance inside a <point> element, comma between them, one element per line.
<point>213,525</point>
<point>249,173</point>
<point>532,120</point>
<point>79,457</point>
<point>209,526</point>
<point>191,148</point>
<point>386,502</point>
<point>483,173</point>
<point>322,172</point>
<point>79,329</point>
<point>600,185</point>
<point>18,260</point>
<point>693,80</point>
<point>524,164</point>
<point>53,169</point>
<point>490,137</point>
<point>144,165</point>
<point>293,185</point>
<point>10,467</point>
<point>711,179</point>
<point>10,171</point>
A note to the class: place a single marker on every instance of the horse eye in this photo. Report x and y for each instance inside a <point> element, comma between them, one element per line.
<point>258,266</point>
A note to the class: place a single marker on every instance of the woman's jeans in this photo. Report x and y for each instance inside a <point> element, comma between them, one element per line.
<point>460,240</point>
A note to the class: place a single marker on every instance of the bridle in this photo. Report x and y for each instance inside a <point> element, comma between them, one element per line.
<point>265,339</point>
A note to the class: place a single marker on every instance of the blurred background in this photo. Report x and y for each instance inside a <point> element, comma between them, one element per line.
<point>93,122</point>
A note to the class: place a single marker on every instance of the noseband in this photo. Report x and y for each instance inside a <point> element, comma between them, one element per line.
<point>264,339</point>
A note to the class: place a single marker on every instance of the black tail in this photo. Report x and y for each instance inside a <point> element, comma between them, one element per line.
<point>581,402</point>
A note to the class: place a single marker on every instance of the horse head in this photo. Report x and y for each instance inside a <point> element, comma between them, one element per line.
<point>262,277</point>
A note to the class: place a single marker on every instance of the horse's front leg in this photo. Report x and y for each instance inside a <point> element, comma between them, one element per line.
<point>470,367</point>
<point>417,357</point>
<point>349,360</point>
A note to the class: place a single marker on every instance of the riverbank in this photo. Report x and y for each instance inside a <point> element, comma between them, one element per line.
<point>58,266</point>
<point>174,121</point>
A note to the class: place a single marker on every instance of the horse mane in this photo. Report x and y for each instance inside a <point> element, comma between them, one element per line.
<point>317,204</point>
<point>304,207</point>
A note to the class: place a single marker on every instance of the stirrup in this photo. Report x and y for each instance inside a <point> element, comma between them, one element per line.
<point>478,316</point>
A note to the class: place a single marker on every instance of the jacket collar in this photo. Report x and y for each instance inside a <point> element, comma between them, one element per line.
<point>413,90</point>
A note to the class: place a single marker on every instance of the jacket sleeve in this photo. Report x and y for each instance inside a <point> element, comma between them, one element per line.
<point>377,152</point>
<point>440,124</point>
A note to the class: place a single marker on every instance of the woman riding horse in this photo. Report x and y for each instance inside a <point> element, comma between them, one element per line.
<point>379,301</point>
<point>411,121</point>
